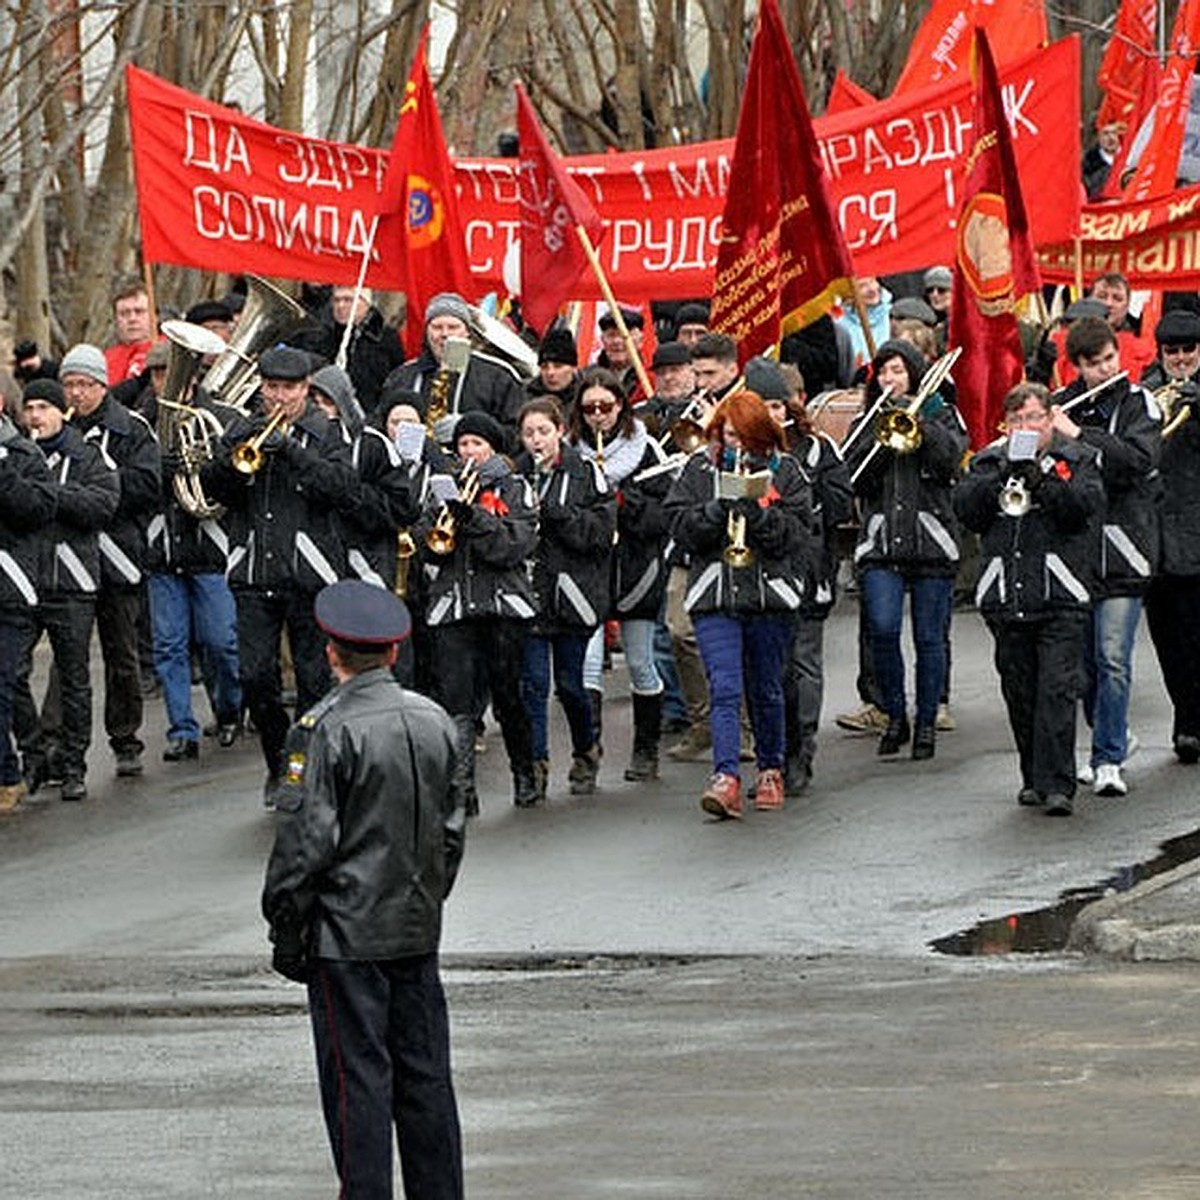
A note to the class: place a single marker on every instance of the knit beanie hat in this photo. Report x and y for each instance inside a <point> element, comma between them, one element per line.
<point>481,425</point>
<point>49,390</point>
<point>85,359</point>
<point>448,304</point>
<point>558,346</point>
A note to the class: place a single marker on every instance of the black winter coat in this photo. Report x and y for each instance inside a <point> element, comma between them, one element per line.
<point>778,534</point>
<point>488,384</point>
<point>907,514</point>
<point>284,520</point>
<point>126,439</point>
<point>88,493</point>
<point>1180,511</point>
<point>27,504</point>
<point>1123,424</point>
<point>577,517</point>
<point>1044,562</point>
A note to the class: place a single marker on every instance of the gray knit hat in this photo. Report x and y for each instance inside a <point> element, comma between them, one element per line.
<point>448,304</point>
<point>84,359</point>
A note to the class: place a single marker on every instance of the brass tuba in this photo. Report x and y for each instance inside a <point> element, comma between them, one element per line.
<point>269,316</point>
<point>186,430</point>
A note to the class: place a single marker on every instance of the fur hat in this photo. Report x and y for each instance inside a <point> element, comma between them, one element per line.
<point>1178,327</point>
<point>670,354</point>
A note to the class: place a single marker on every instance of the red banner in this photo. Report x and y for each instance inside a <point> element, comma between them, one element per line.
<point>783,261</point>
<point>994,265</point>
<point>1154,245</point>
<point>223,192</point>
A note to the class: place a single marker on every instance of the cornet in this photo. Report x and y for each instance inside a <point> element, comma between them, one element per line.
<point>247,457</point>
<point>736,553</point>
<point>442,536</point>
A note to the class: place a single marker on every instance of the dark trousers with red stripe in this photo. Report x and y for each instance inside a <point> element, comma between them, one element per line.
<point>382,1037</point>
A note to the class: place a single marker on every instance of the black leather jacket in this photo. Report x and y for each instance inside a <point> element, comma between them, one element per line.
<point>371,824</point>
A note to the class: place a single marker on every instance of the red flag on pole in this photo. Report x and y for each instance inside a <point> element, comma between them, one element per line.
<point>994,263</point>
<point>782,257</point>
<point>553,208</point>
<point>418,195</point>
<point>942,43</point>
<point>1159,164</point>
<point>1127,58</point>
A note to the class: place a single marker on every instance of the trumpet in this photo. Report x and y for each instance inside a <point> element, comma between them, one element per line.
<point>248,456</point>
<point>1176,409</point>
<point>1015,499</point>
<point>736,553</point>
<point>443,536</point>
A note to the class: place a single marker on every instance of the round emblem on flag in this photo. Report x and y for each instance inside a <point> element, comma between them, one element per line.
<point>984,254</point>
<point>426,213</point>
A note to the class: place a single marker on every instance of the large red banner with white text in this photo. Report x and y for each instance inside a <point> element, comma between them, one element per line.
<point>220,191</point>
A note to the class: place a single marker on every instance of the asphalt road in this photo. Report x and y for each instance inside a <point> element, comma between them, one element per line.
<point>645,1003</point>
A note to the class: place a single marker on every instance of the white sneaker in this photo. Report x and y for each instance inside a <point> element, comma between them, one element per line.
<point>1084,773</point>
<point>1108,781</point>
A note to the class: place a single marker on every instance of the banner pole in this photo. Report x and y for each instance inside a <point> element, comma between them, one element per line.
<point>598,270</point>
<point>148,281</point>
<point>343,353</point>
<point>1078,244</point>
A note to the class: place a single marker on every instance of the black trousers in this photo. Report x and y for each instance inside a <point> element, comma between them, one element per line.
<point>262,618</point>
<point>382,1037</point>
<point>16,635</point>
<point>67,621</point>
<point>1173,617</point>
<point>489,650</point>
<point>1041,677</point>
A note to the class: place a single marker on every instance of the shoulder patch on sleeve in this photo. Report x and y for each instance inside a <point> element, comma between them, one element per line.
<point>310,719</point>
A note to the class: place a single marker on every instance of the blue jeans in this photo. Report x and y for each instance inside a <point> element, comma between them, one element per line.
<point>1108,661</point>
<point>567,651</point>
<point>761,642</point>
<point>883,592</point>
<point>637,640</point>
<point>183,607</point>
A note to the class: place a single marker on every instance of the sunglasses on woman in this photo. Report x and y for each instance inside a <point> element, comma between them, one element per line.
<point>593,407</point>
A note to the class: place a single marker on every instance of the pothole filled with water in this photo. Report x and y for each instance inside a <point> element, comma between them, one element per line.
<point>1044,930</point>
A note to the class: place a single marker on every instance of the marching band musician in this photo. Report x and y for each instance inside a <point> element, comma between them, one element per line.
<point>607,433</point>
<point>86,494</point>
<point>479,600</point>
<point>558,369</point>
<point>488,384</point>
<point>190,599</point>
<point>1035,509</point>
<point>1123,423</point>
<point>1173,600</point>
<point>577,515</point>
<point>744,586</point>
<point>1177,336</point>
<point>285,477</point>
<point>26,506</point>
<point>908,538</point>
<point>127,439</point>
<point>782,390</point>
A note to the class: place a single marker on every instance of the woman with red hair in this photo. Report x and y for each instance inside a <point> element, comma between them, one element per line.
<point>748,555</point>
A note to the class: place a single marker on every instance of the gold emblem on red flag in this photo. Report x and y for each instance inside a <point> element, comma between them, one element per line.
<point>984,255</point>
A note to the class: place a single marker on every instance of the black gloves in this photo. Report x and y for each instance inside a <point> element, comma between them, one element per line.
<point>1027,470</point>
<point>290,955</point>
<point>754,513</point>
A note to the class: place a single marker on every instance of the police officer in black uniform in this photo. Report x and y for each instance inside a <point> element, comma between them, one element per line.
<point>285,490</point>
<point>369,841</point>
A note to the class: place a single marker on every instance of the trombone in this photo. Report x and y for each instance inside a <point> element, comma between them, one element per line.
<point>900,430</point>
<point>248,457</point>
<point>443,535</point>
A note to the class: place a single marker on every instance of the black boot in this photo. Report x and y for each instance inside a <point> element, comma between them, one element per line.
<point>525,787</point>
<point>894,736</point>
<point>464,729</point>
<point>647,729</point>
<point>797,774</point>
<point>923,741</point>
<point>596,700</point>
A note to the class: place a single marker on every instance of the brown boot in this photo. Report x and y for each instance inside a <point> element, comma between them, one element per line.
<point>583,772</point>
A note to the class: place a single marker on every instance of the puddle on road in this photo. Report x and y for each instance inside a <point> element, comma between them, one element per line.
<point>1042,930</point>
